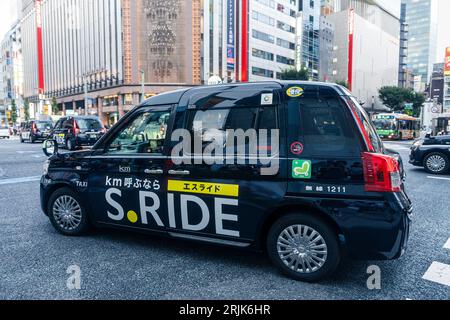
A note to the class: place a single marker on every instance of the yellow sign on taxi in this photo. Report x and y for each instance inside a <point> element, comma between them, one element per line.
<point>295,92</point>
<point>215,189</point>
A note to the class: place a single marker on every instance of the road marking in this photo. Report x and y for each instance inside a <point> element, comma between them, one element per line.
<point>398,146</point>
<point>447,245</point>
<point>438,273</point>
<point>25,152</point>
<point>438,178</point>
<point>19,180</point>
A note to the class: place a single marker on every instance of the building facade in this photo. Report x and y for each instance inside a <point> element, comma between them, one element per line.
<point>11,71</point>
<point>436,92</point>
<point>421,17</point>
<point>273,35</point>
<point>368,27</point>
<point>310,34</point>
<point>97,54</point>
<point>326,49</point>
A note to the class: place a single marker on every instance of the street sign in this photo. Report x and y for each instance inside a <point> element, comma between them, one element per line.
<point>409,106</point>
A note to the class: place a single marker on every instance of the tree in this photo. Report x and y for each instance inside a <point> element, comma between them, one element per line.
<point>417,99</point>
<point>13,111</point>
<point>55,108</point>
<point>343,83</point>
<point>395,98</point>
<point>26,109</point>
<point>293,74</point>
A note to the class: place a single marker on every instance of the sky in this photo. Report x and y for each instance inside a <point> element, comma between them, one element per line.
<point>9,14</point>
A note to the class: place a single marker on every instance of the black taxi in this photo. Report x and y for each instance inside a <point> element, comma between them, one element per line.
<point>295,169</point>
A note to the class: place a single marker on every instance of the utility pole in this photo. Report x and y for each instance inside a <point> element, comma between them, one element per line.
<point>86,93</point>
<point>142,85</point>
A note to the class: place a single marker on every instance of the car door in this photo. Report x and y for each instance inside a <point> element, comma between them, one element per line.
<point>226,202</point>
<point>128,179</point>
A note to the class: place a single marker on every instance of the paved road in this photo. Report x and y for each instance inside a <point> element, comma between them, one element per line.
<point>118,265</point>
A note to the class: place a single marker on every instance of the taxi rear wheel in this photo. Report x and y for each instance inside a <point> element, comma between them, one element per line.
<point>303,247</point>
<point>67,213</point>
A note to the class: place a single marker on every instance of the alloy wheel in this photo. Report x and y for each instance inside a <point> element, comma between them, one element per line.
<point>67,213</point>
<point>302,249</point>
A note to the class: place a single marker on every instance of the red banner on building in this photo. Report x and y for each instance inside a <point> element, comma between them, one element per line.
<point>40,53</point>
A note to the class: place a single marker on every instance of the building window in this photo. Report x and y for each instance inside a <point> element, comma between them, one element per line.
<point>285,44</point>
<point>262,72</point>
<point>284,26</point>
<point>262,54</point>
<point>263,18</point>
<point>285,60</point>
<point>263,36</point>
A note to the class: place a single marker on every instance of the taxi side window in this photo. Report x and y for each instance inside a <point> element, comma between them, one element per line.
<point>235,118</point>
<point>145,134</point>
<point>325,128</point>
<point>58,125</point>
<point>68,124</point>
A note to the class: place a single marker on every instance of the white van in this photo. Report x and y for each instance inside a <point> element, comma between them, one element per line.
<point>4,131</point>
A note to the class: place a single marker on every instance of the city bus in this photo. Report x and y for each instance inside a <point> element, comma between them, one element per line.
<point>397,126</point>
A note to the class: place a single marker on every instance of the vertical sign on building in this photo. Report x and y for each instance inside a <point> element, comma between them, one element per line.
<point>231,42</point>
<point>351,32</point>
<point>244,41</point>
<point>447,62</point>
<point>40,54</point>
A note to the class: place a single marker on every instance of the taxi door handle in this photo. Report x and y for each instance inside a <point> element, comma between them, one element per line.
<point>156,171</point>
<point>179,173</point>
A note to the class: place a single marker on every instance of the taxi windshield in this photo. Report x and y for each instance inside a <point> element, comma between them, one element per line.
<point>145,134</point>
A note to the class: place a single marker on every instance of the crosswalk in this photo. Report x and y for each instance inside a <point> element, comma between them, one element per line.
<point>439,272</point>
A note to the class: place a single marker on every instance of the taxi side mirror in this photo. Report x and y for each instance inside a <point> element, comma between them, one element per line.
<point>50,148</point>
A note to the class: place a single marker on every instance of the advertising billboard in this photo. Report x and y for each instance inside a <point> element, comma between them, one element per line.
<point>447,62</point>
<point>231,52</point>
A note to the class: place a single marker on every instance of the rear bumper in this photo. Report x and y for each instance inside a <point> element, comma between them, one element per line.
<point>378,232</point>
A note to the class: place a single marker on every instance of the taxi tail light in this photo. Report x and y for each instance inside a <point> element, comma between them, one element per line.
<point>76,129</point>
<point>381,173</point>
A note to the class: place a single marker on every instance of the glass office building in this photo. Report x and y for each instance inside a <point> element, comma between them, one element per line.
<point>421,17</point>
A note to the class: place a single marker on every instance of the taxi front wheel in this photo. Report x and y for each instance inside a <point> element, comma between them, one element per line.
<point>303,247</point>
<point>67,214</point>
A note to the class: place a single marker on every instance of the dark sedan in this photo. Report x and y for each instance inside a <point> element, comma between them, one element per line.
<point>432,153</point>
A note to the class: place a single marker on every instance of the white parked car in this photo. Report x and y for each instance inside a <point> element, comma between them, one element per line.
<point>4,131</point>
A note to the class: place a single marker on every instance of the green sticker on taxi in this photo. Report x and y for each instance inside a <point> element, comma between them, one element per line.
<point>301,169</point>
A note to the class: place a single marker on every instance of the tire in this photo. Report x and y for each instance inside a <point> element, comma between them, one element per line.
<point>21,139</point>
<point>436,163</point>
<point>32,140</point>
<point>331,253</point>
<point>79,223</point>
